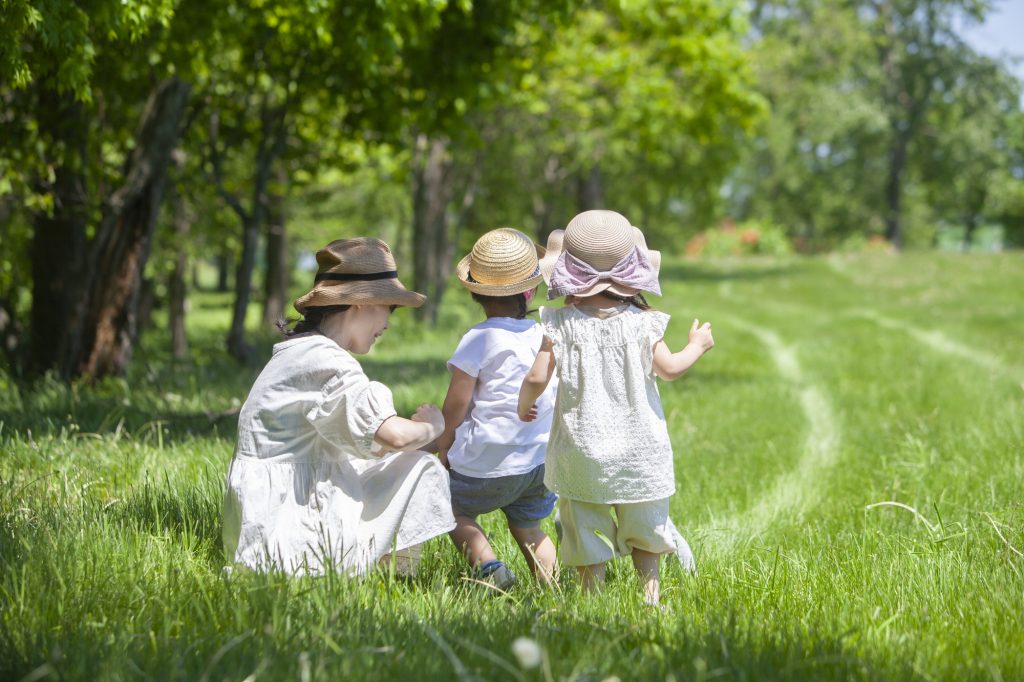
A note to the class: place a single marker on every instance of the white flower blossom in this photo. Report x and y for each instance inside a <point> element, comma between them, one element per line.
<point>527,652</point>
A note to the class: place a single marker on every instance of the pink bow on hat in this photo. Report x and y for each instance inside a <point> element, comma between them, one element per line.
<point>572,275</point>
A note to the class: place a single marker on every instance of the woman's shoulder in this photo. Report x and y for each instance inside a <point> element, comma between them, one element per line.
<point>314,353</point>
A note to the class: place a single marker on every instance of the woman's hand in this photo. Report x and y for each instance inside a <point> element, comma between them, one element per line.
<point>429,414</point>
<point>397,434</point>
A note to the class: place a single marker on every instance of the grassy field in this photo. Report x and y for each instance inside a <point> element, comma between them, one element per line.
<point>850,467</point>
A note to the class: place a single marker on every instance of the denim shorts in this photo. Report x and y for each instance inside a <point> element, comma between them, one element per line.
<point>522,497</point>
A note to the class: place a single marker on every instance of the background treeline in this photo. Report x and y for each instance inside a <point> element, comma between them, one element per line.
<point>141,139</point>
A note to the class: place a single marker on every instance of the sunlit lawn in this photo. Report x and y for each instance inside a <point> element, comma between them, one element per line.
<point>849,459</point>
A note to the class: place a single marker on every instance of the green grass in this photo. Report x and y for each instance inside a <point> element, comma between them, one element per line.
<point>836,384</point>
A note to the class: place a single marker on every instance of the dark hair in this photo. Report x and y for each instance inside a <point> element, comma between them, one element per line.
<point>310,322</point>
<point>518,299</point>
<point>636,299</point>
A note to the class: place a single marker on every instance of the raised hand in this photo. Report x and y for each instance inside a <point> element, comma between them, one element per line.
<point>700,335</point>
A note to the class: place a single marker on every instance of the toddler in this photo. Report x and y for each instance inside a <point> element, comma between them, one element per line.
<point>609,447</point>
<point>495,460</point>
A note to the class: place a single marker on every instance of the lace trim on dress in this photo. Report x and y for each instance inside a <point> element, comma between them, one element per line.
<point>626,327</point>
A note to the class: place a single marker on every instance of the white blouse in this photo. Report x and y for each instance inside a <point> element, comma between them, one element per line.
<point>609,442</point>
<point>305,489</point>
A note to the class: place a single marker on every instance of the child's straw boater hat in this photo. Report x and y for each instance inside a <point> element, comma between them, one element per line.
<point>357,271</point>
<point>600,251</point>
<point>503,262</point>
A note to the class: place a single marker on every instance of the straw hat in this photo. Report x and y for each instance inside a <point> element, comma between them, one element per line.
<point>600,239</point>
<point>357,271</point>
<point>503,262</point>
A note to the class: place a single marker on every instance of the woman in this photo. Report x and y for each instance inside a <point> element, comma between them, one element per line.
<point>314,484</point>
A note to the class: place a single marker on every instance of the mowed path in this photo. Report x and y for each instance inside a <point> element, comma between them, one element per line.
<point>795,491</point>
<point>798,488</point>
<point>940,342</point>
<point>933,339</point>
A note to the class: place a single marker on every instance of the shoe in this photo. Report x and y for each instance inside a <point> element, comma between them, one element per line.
<point>496,574</point>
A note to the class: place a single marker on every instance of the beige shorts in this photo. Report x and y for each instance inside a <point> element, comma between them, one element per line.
<point>590,535</point>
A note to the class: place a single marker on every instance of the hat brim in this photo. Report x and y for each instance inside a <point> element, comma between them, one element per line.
<point>462,272</point>
<point>375,292</point>
<point>554,250</point>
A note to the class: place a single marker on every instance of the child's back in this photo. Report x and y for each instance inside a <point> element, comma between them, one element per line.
<point>609,450</point>
<point>492,441</point>
<point>609,442</point>
<point>496,460</point>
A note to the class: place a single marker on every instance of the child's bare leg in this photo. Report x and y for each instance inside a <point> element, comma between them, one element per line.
<point>538,550</point>
<point>471,540</point>
<point>592,576</point>
<point>646,564</point>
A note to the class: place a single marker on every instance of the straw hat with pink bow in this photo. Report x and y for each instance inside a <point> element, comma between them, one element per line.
<point>600,251</point>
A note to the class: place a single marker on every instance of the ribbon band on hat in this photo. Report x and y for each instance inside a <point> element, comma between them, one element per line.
<point>572,275</point>
<point>356,277</point>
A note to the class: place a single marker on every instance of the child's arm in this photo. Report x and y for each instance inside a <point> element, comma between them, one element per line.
<point>398,434</point>
<point>456,405</point>
<point>536,380</point>
<point>670,366</point>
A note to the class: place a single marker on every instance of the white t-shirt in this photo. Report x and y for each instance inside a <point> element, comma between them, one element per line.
<point>493,441</point>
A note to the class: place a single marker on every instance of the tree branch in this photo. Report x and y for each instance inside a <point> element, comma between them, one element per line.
<point>216,160</point>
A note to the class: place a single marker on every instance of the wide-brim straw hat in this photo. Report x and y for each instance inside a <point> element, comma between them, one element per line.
<point>600,239</point>
<point>358,271</point>
<point>503,262</point>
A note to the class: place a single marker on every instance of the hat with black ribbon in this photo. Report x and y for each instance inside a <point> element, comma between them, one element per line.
<point>358,271</point>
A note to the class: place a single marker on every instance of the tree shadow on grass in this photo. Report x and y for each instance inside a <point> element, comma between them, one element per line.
<point>596,647</point>
<point>167,428</point>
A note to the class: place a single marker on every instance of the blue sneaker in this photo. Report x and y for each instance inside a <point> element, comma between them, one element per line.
<point>496,574</point>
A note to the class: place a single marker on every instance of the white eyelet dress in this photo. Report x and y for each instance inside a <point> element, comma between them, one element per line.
<point>305,491</point>
<point>609,442</point>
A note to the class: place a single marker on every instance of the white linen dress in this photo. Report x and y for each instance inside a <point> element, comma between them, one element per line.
<point>609,442</point>
<point>306,491</point>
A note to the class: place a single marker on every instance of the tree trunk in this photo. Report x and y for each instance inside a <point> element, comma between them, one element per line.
<point>275,286</point>
<point>237,346</point>
<point>590,189</point>
<point>177,288</point>
<point>270,147</point>
<point>123,239</point>
<point>223,270</point>
<point>894,189</point>
<point>57,282</point>
<point>975,206</point>
<point>432,250</point>
<point>10,337</point>
<point>145,303</point>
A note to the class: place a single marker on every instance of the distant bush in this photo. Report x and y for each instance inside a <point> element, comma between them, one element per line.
<point>743,239</point>
<point>859,242</point>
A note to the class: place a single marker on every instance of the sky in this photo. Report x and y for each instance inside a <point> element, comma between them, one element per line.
<point>1002,33</point>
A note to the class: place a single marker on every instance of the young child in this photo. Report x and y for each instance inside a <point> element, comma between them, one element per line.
<point>496,461</point>
<point>609,446</point>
